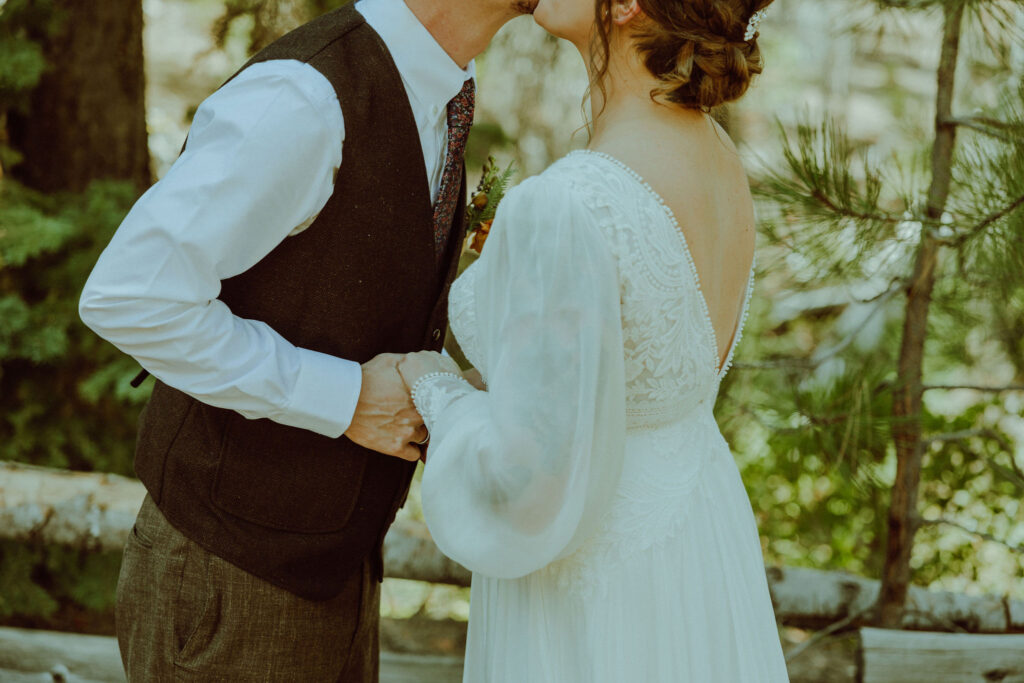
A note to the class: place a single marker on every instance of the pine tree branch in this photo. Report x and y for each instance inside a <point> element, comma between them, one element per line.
<point>880,301</point>
<point>989,220</point>
<point>975,387</point>
<point>847,212</point>
<point>901,286</point>
<point>987,126</point>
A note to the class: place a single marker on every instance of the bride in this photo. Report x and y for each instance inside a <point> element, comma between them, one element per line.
<point>588,487</point>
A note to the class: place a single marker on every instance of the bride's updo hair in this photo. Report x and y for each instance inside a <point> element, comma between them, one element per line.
<point>696,48</point>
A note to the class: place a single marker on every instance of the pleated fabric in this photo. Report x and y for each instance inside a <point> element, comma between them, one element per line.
<point>684,598</point>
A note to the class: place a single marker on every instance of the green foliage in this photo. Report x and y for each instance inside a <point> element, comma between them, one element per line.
<point>263,21</point>
<point>19,594</point>
<point>36,580</point>
<point>990,215</point>
<point>819,180</point>
<point>21,65</point>
<point>485,138</point>
<point>22,62</point>
<point>64,398</point>
<point>64,394</point>
<point>85,578</point>
<point>492,187</point>
<point>821,466</point>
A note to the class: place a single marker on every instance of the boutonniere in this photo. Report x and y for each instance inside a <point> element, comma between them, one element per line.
<point>484,202</point>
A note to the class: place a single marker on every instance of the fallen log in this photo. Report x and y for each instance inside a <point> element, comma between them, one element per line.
<point>30,655</point>
<point>27,654</point>
<point>891,656</point>
<point>813,599</point>
<point>96,512</point>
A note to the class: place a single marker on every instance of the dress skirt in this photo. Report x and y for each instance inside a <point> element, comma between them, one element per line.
<point>673,587</point>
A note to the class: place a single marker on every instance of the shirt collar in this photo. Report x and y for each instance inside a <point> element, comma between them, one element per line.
<point>431,76</point>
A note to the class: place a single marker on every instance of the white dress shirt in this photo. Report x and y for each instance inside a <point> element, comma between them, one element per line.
<point>258,167</point>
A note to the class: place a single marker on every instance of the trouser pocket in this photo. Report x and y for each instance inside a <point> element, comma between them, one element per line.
<point>147,585</point>
<point>196,609</point>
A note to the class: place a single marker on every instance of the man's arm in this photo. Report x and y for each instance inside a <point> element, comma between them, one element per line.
<point>259,165</point>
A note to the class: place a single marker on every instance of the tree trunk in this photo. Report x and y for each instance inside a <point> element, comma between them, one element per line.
<point>87,117</point>
<point>907,403</point>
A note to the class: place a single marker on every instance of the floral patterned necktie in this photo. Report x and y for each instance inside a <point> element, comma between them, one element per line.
<point>460,118</point>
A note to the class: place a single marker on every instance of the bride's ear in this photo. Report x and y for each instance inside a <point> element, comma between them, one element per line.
<point>624,11</point>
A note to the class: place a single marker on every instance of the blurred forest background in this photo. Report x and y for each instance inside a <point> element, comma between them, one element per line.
<point>890,283</point>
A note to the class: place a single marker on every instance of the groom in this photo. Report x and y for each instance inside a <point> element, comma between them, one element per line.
<point>307,234</point>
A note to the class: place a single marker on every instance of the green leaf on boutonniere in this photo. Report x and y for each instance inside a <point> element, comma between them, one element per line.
<point>484,202</point>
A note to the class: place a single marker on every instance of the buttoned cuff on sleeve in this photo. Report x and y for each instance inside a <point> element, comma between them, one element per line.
<point>325,394</point>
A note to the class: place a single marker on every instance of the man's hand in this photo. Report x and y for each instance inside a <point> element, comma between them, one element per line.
<point>385,419</point>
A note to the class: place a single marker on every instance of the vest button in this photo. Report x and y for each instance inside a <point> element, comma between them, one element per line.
<point>437,335</point>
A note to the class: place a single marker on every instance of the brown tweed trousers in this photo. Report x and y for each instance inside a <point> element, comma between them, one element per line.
<point>184,614</point>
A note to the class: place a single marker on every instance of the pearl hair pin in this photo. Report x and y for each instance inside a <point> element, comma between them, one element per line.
<point>755,20</point>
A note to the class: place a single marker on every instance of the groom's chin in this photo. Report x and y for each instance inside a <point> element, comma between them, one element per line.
<point>526,6</point>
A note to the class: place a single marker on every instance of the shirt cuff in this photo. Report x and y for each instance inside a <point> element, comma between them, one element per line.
<point>325,395</point>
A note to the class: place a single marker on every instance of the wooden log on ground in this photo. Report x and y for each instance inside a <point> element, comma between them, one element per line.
<point>27,654</point>
<point>31,655</point>
<point>891,656</point>
<point>811,598</point>
<point>96,511</point>
<point>75,509</point>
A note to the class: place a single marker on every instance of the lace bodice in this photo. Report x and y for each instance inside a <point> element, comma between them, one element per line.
<point>586,318</point>
<point>670,348</point>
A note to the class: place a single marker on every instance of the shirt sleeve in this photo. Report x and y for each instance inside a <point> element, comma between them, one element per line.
<point>259,165</point>
<point>516,476</point>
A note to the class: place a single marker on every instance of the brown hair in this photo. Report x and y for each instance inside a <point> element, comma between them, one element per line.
<point>694,47</point>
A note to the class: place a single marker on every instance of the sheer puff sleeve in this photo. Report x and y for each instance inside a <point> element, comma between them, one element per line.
<point>518,475</point>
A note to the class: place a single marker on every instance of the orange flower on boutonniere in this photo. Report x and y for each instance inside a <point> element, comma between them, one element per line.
<point>480,236</point>
<point>483,205</point>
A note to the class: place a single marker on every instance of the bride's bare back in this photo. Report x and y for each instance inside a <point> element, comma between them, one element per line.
<point>690,161</point>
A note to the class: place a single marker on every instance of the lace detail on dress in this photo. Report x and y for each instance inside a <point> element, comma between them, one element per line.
<point>671,367</point>
<point>433,392</point>
<point>670,351</point>
<point>462,318</point>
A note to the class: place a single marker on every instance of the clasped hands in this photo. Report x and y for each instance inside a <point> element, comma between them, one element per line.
<point>385,419</point>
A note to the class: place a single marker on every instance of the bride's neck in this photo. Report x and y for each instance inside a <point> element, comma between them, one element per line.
<point>625,103</point>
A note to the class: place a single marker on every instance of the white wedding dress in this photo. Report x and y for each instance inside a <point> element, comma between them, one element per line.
<point>589,489</point>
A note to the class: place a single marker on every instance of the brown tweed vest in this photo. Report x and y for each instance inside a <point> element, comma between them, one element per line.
<point>293,507</point>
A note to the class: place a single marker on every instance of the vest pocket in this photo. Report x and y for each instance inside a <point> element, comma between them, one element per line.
<point>286,478</point>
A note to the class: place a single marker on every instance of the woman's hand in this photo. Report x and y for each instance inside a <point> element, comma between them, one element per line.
<point>474,377</point>
<point>415,365</point>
